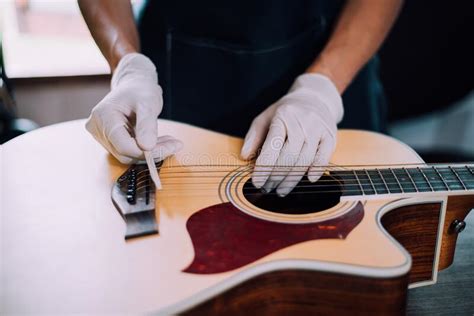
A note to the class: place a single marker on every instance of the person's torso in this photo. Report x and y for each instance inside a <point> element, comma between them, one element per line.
<point>221,63</point>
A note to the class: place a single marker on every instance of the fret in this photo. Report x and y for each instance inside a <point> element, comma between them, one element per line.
<point>411,179</point>
<point>370,180</point>
<point>358,181</point>
<point>433,179</point>
<point>350,186</point>
<point>383,180</point>
<point>426,178</point>
<point>396,179</point>
<point>378,182</point>
<point>457,176</point>
<point>450,179</point>
<point>470,170</point>
<point>389,178</point>
<point>441,177</point>
<point>365,182</point>
<point>419,180</point>
<point>464,174</point>
<point>404,181</point>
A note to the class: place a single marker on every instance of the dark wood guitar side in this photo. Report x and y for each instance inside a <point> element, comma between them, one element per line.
<point>300,292</point>
<point>415,227</point>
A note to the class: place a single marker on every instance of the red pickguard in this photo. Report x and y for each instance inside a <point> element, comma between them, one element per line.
<point>225,238</point>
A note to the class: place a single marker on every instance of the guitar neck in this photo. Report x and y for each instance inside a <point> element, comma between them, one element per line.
<point>448,179</point>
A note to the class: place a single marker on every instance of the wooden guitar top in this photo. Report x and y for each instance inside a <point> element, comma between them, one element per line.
<point>62,240</point>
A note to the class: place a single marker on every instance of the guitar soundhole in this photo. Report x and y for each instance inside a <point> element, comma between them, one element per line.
<point>305,198</point>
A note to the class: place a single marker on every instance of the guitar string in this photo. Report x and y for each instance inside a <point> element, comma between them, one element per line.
<point>462,170</point>
<point>341,192</point>
<point>432,178</point>
<point>366,187</point>
<point>355,174</point>
<point>360,172</point>
<point>290,174</point>
<point>305,183</point>
<point>232,167</point>
<point>345,165</point>
<point>342,183</point>
<point>285,175</point>
<point>354,188</point>
<point>319,169</point>
<point>435,173</point>
<point>359,188</point>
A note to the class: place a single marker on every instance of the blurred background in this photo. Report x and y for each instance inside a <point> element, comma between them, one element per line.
<point>52,71</point>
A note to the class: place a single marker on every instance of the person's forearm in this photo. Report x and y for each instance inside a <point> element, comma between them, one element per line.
<point>112,25</point>
<point>359,32</point>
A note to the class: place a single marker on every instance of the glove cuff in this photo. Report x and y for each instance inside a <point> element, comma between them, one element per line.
<point>134,64</point>
<point>323,88</point>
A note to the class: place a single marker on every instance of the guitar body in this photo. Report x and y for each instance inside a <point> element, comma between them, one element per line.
<point>219,250</point>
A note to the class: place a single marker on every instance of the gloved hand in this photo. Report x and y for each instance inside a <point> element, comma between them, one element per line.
<point>298,133</point>
<point>125,121</point>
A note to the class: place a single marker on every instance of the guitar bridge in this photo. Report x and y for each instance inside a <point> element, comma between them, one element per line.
<point>133,195</point>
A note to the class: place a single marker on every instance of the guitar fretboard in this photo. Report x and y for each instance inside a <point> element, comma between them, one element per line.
<point>406,180</point>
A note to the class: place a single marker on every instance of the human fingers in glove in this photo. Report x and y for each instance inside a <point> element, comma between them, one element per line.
<point>125,121</point>
<point>297,134</point>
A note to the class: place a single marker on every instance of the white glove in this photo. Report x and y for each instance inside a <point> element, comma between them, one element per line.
<point>298,133</point>
<point>125,121</point>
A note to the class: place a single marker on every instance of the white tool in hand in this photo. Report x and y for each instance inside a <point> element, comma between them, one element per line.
<point>152,169</point>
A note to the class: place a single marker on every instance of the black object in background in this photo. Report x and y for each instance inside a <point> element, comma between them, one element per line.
<point>427,62</point>
<point>10,125</point>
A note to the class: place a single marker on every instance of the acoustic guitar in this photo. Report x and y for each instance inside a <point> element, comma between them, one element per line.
<point>378,222</point>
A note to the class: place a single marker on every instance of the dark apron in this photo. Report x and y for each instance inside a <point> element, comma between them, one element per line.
<point>221,64</point>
